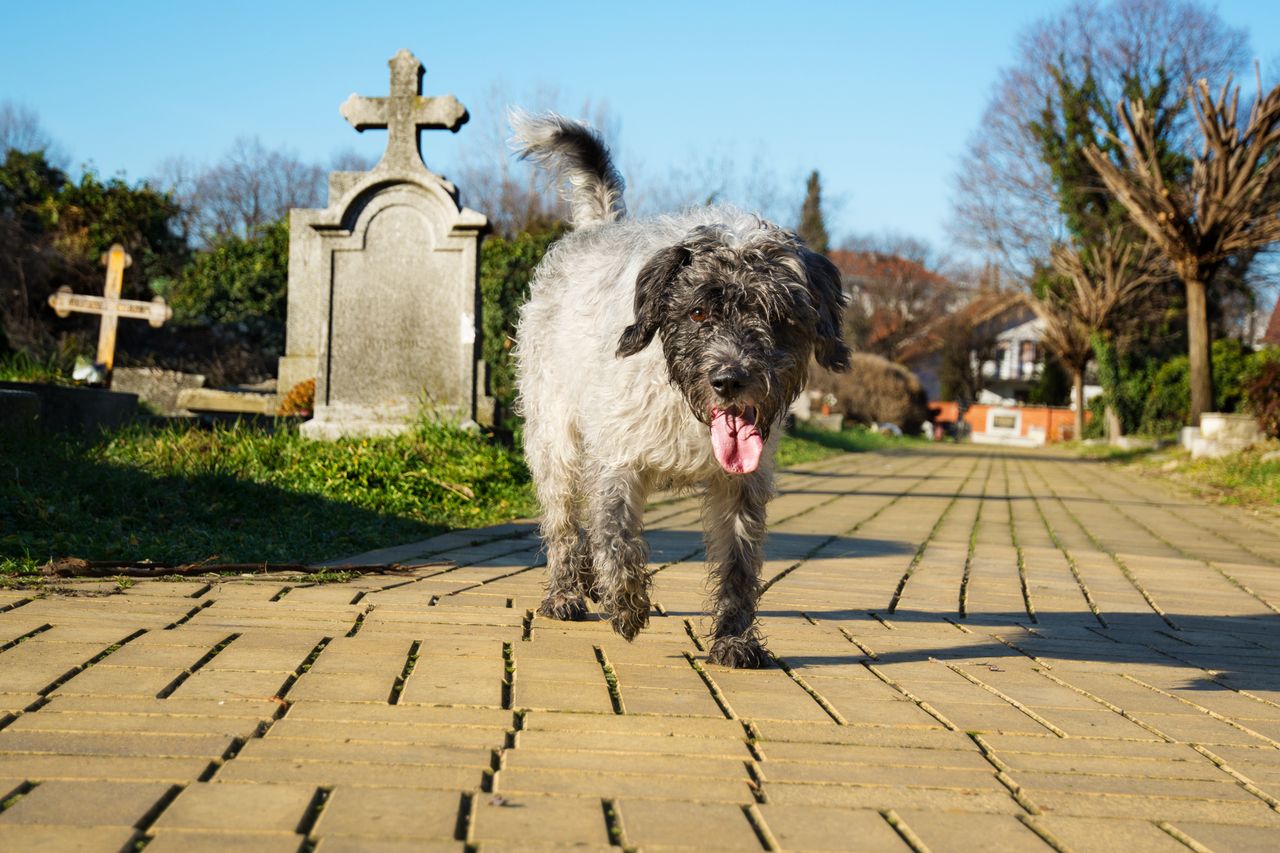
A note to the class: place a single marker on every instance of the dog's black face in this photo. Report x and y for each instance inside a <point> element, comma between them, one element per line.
<point>738,326</point>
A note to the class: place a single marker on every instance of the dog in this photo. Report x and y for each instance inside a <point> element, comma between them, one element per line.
<point>738,308</point>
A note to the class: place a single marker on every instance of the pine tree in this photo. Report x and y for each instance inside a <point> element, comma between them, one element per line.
<point>812,229</point>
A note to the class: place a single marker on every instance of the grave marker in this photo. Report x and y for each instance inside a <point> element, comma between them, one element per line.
<point>110,307</point>
<point>384,298</point>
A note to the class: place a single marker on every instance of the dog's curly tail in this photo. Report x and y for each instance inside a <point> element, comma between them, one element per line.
<point>576,152</point>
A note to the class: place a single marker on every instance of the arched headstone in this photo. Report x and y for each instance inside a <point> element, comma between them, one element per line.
<point>384,297</point>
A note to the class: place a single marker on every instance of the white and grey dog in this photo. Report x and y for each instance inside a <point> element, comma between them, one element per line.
<point>739,307</point>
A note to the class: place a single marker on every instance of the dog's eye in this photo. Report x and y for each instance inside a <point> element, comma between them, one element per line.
<point>698,314</point>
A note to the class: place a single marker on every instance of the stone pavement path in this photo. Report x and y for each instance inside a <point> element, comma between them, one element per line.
<point>976,650</point>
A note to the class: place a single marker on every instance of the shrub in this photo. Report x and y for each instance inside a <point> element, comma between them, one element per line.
<point>1262,390</point>
<point>506,268</point>
<point>875,390</point>
<point>1168,400</point>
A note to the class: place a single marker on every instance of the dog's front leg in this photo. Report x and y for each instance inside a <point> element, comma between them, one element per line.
<point>619,552</point>
<point>734,521</point>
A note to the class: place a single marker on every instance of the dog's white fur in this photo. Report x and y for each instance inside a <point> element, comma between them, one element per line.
<point>577,396</point>
<point>603,430</point>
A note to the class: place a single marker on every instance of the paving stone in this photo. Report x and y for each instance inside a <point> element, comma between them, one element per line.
<point>264,808</point>
<point>675,824</point>
<point>390,813</point>
<point>378,734</point>
<point>620,743</point>
<point>401,714</point>
<point>1221,836</point>
<point>970,832</point>
<point>814,828</point>
<point>1081,833</point>
<point>885,797</point>
<point>311,749</point>
<point>87,803</point>
<point>655,765</point>
<point>176,770</point>
<point>68,743</point>
<point>613,781</point>
<point>632,723</point>
<point>85,723</point>
<point>64,839</point>
<point>196,841</point>
<point>528,820</point>
<point>328,773</point>
<point>366,844</point>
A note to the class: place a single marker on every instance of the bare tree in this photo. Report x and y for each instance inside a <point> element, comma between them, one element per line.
<point>251,186</point>
<point>1231,204</point>
<point>896,288</point>
<point>20,129</point>
<point>1101,281</point>
<point>1005,205</point>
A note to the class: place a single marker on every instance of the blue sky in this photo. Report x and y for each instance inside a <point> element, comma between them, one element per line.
<point>880,97</point>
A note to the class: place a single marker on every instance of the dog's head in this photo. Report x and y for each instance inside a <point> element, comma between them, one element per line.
<point>739,319</point>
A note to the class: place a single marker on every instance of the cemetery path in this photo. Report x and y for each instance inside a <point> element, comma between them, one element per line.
<point>975,649</point>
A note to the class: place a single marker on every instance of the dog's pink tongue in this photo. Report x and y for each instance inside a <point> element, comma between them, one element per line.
<point>736,441</point>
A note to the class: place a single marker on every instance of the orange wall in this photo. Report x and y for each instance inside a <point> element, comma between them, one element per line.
<point>1058,422</point>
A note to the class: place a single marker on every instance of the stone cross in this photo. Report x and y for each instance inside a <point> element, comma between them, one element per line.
<point>110,306</point>
<point>405,114</point>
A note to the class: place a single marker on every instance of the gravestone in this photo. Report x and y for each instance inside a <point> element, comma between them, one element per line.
<point>110,307</point>
<point>384,296</point>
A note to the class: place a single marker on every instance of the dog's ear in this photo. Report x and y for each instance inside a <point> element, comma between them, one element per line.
<point>823,280</point>
<point>652,282</point>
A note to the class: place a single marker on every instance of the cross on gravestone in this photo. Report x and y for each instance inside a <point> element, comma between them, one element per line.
<point>405,114</point>
<point>110,306</point>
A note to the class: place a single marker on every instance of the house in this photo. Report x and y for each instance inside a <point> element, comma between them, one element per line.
<point>890,298</point>
<point>1006,349</point>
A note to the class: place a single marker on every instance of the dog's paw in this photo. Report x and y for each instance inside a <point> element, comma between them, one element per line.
<point>738,652</point>
<point>628,622</point>
<point>567,608</point>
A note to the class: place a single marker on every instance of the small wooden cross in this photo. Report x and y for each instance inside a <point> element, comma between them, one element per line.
<point>110,306</point>
<point>405,114</point>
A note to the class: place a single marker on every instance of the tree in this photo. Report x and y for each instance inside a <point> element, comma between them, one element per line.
<point>53,231</point>
<point>1007,205</point>
<point>249,188</point>
<point>896,287</point>
<point>1230,204</point>
<point>1096,282</point>
<point>20,130</point>
<point>506,268</point>
<point>236,280</point>
<point>812,230</point>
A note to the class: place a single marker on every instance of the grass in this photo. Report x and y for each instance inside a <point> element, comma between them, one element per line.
<point>806,444</point>
<point>243,494</point>
<point>23,368</point>
<point>1241,479</point>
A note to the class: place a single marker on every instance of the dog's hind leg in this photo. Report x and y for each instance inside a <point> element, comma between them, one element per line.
<point>568,560</point>
<point>734,522</point>
<point>620,556</point>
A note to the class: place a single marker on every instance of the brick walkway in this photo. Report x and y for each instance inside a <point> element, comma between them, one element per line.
<point>976,650</point>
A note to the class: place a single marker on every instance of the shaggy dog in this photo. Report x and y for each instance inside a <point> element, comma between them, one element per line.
<point>738,306</point>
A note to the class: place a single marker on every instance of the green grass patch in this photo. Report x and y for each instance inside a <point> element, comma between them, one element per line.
<point>243,493</point>
<point>240,493</point>
<point>1242,479</point>
<point>806,444</point>
<point>22,368</point>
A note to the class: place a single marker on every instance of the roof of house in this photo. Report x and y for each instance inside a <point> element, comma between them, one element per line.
<point>856,265</point>
<point>1272,334</point>
<point>985,307</point>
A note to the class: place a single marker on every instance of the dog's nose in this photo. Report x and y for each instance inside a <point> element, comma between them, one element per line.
<point>729,381</point>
